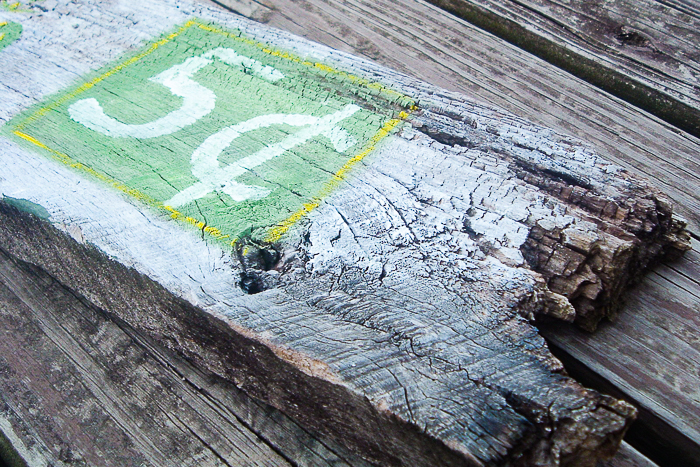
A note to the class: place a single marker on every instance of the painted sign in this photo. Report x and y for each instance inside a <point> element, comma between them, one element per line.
<point>219,130</point>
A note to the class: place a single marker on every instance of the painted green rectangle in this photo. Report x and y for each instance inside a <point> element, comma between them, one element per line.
<point>222,131</point>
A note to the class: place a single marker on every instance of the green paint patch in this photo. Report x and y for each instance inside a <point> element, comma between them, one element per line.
<point>217,130</point>
<point>9,32</point>
<point>27,206</point>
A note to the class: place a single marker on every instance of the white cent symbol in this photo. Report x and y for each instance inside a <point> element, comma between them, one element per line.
<point>198,101</point>
<point>205,163</point>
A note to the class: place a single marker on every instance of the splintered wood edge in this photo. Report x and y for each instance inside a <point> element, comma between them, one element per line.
<point>631,225</point>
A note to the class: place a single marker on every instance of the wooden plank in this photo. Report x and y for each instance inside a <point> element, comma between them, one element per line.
<point>420,40</point>
<point>394,317</point>
<point>645,52</point>
<point>649,357</point>
<point>198,393</point>
<point>79,388</point>
<point>627,456</point>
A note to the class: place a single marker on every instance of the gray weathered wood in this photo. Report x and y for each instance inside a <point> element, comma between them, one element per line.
<point>79,389</point>
<point>627,457</point>
<point>397,318</point>
<point>413,42</point>
<point>420,40</point>
<point>645,52</point>
<point>244,426</point>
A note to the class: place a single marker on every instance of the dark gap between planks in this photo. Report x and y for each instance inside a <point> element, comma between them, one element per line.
<point>649,434</point>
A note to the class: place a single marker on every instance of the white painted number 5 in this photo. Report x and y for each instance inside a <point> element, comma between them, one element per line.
<point>198,101</point>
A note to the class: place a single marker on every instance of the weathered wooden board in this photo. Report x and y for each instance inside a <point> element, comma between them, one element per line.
<point>393,315</point>
<point>200,420</point>
<point>646,52</point>
<point>361,27</point>
<point>78,388</point>
<point>422,41</point>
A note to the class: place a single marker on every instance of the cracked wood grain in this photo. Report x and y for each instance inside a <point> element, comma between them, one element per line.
<point>396,316</point>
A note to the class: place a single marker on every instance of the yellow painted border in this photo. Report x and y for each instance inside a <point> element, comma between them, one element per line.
<point>280,229</point>
<point>275,233</point>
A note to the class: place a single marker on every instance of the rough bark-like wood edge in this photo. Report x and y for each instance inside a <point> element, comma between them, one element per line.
<point>634,229</point>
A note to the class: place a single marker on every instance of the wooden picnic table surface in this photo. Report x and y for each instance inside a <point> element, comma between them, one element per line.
<point>630,87</point>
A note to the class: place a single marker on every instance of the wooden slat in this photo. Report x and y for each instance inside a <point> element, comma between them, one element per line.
<point>420,40</point>
<point>117,398</point>
<point>645,52</point>
<point>650,357</point>
<point>627,456</point>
